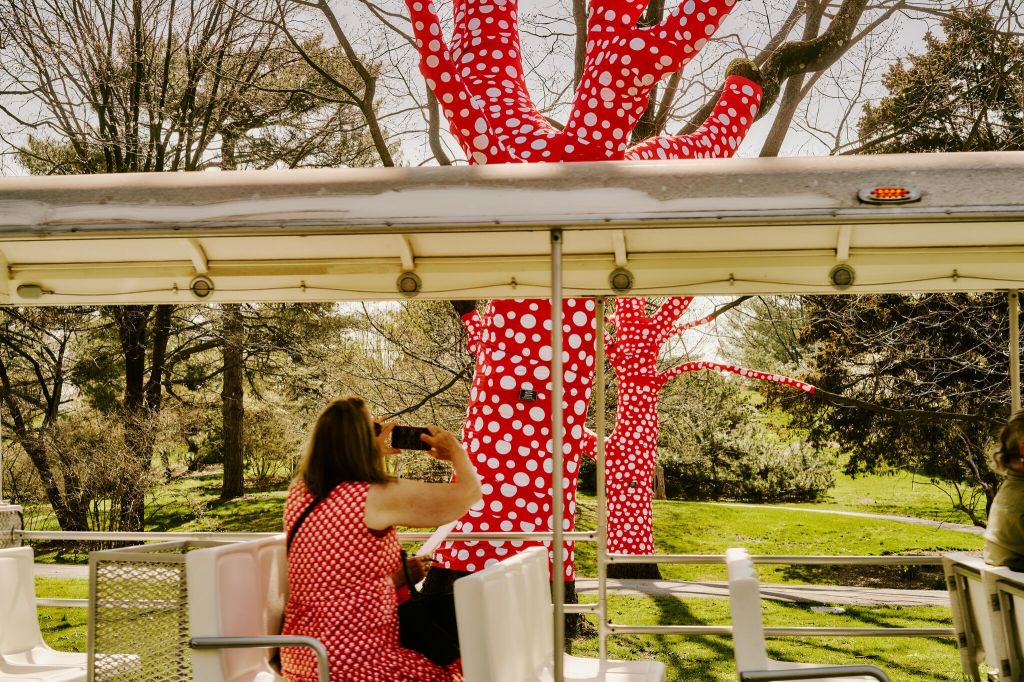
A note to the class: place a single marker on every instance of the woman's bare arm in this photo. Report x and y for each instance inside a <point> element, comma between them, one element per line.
<point>422,505</point>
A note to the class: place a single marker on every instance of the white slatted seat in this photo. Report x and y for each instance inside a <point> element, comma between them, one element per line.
<point>505,629</point>
<point>236,597</point>
<point>752,662</point>
<point>1008,588</point>
<point>23,653</point>
<point>979,632</point>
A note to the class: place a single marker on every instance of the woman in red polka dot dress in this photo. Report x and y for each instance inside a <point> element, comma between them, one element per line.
<point>343,556</point>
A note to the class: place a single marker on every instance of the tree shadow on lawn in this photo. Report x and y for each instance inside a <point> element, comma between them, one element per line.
<point>701,653</point>
<point>880,577</point>
<point>871,650</point>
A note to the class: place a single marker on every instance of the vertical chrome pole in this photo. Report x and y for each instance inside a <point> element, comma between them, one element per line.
<point>557,472</point>
<point>602,502</point>
<point>1014,301</point>
<point>1,461</point>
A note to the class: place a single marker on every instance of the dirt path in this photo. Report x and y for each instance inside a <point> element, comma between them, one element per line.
<point>799,594</point>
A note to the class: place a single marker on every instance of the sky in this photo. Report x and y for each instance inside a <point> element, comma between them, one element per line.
<point>747,24</point>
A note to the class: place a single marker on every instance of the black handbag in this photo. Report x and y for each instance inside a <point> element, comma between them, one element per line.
<point>426,623</point>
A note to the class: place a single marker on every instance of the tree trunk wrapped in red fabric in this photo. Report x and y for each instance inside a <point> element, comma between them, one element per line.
<point>508,424</point>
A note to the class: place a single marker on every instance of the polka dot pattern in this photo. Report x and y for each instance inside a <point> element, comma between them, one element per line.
<point>340,592</point>
<point>508,424</point>
<point>721,134</point>
<point>480,84</point>
<point>631,448</point>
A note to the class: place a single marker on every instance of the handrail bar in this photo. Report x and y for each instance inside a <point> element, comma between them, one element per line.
<point>153,536</point>
<point>846,672</point>
<point>789,559</point>
<point>578,536</point>
<point>269,642</point>
<point>801,631</point>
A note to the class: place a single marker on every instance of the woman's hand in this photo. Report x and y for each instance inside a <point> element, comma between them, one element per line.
<point>418,567</point>
<point>383,437</point>
<point>443,444</point>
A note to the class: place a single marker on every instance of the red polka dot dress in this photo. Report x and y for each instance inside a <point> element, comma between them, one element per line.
<point>340,592</point>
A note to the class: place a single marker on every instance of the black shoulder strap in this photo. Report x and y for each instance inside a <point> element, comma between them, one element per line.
<point>298,522</point>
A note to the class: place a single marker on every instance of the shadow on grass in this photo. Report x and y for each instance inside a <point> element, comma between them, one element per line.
<point>673,611</point>
<point>882,577</point>
<point>896,656</point>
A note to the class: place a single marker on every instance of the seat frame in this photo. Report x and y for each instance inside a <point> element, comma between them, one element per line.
<point>961,571</point>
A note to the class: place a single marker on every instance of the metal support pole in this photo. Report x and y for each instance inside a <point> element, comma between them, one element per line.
<point>602,501</point>
<point>1,461</point>
<point>557,467</point>
<point>1014,304</point>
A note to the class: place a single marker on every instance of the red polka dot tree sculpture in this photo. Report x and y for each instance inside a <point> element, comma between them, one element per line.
<point>478,78</point>
<point>479,81</point>
<point>508,423</point>
<point>631,448</point>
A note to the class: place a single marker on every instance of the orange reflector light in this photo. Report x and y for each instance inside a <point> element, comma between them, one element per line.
<point>889,194</point>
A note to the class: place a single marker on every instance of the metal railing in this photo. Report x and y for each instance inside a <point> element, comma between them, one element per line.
<point>782,559</point>
<point>595,608</point>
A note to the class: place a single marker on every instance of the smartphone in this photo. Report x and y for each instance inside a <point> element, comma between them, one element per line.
<point>406,437</point>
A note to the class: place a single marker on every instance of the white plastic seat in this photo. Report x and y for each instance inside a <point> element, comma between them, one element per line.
<point>979,631</point>
<point>23,653</point>
<point>505,629</point>
<point>752,662</point>
<point>236,598</point>
<point>1007,587</point>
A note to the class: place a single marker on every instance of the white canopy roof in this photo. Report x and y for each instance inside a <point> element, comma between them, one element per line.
<point>738,226</point>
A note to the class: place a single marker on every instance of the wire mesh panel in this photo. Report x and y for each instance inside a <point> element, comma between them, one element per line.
<point>10,521</point>
<point>138,613</point>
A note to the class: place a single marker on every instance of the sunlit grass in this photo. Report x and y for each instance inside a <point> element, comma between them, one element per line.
<point>900,493</point>
<point>908,659</point>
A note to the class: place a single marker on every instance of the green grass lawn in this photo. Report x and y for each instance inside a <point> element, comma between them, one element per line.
<point>191,503</point>
<point>708,528</point>
<point>901,493</point>
<point>63,629</point>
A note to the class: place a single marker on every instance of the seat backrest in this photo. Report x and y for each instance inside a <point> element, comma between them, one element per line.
<point>236,590</point>
<point>1008,586</point>
<point>504,615</point>
<point>745,608</point>
<point>532,593</point>
<point>19,630</point>
<point>973,616</point>
<point>475,645</point>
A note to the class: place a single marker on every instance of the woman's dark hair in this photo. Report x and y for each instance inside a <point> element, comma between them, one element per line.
<point>1010,440</point>
<point>342,449</point>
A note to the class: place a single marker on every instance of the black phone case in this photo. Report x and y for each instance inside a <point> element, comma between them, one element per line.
<point>408,438</point>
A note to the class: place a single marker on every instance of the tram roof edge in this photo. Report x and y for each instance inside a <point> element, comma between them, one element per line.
<point>515,196</point>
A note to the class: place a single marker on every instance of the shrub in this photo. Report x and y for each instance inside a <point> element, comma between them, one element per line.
<point>745,466</point>
<point>272,440</point>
